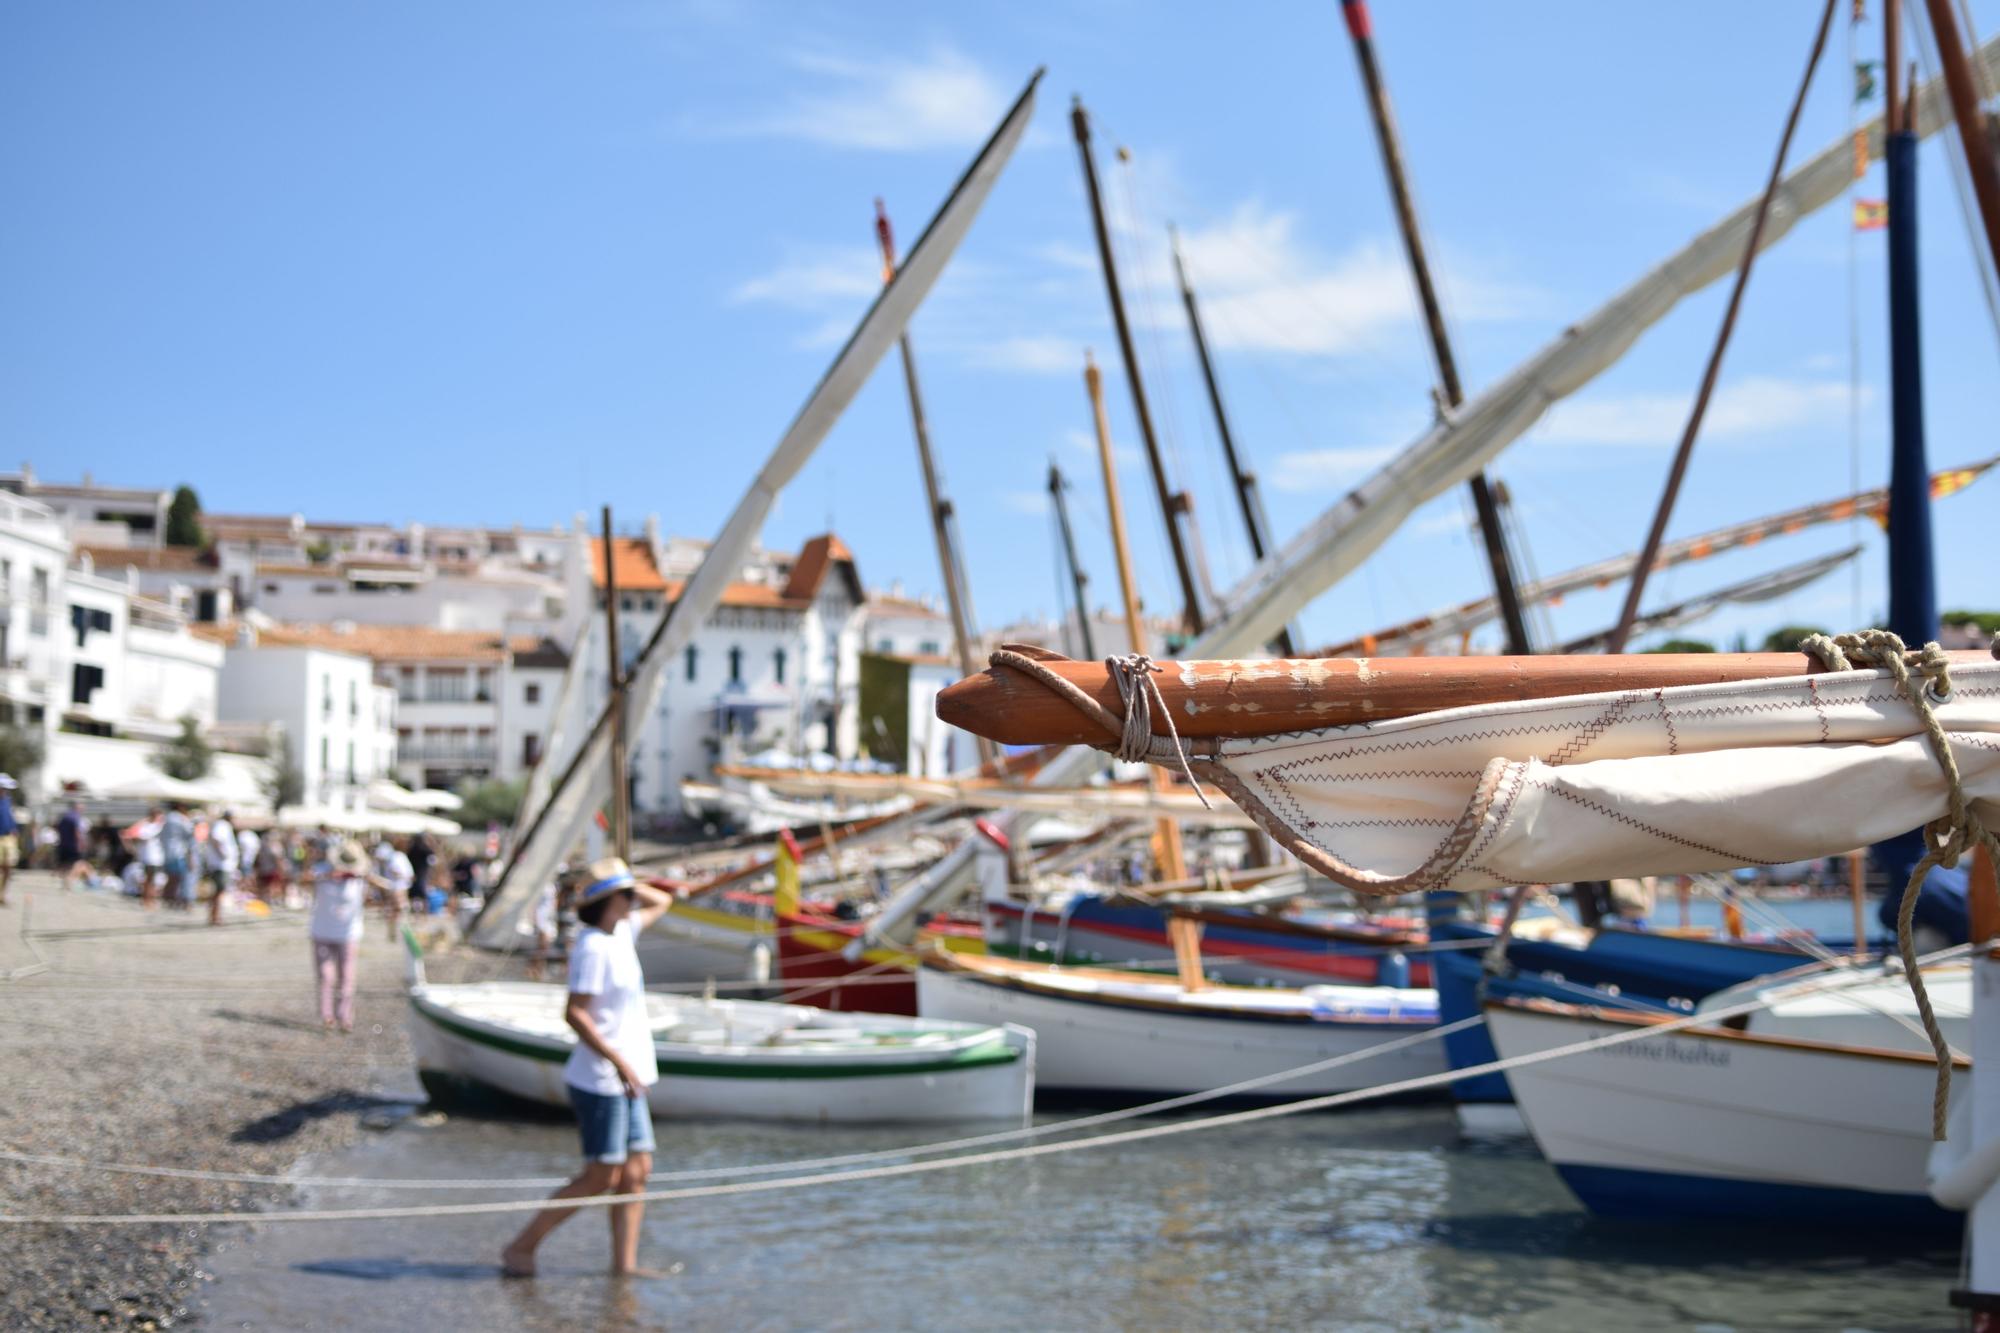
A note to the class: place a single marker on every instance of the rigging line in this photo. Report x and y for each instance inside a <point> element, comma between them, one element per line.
<point>1982,256</point>
<point>816,1163</point>
<point>1854,347</point>
<point>1172,1129</point>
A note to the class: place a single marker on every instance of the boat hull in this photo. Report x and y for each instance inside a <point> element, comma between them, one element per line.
<point>1713,1124</point>
<point>453,1050</point>
<point>1091,1046</point>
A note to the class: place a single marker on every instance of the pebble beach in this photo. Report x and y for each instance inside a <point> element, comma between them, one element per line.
<point>134,1037</point>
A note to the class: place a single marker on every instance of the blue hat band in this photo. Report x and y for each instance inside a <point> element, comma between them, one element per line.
<point>606,885</point>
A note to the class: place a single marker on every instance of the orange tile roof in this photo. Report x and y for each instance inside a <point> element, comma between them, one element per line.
<point>631,562</point>
<point>889,605</point>
<point>383,643</point>
<point>816,557</point>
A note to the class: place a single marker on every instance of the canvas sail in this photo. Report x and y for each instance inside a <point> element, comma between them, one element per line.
<point>1635,782</point>
<point>570,807</point>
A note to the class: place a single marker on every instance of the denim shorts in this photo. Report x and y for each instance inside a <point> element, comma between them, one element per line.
<point>613,1124</point>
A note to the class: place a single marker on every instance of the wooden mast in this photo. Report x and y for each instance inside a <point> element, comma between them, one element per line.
<point>621,781</point>
<point>1971,124</point>
<point>1077,577</point>
<point>957,597</point>
<point>1168,858</point>
<point>1360,28</point>
<point>1245,481</point>
<point>1174,506</point>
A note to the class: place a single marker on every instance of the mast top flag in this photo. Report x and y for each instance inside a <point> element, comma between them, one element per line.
<point>586,782</point>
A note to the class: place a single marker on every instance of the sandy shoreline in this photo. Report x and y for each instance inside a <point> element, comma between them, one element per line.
<point>150,1038</point>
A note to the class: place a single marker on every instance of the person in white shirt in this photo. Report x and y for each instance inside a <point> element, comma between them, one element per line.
<point>339,884</point>
<point>394,875</point>
<point>612,1066</point>
<point>152,860</point>
<point>222,863</point>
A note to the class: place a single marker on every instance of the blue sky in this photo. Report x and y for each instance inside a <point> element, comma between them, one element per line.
<point>502,262</point>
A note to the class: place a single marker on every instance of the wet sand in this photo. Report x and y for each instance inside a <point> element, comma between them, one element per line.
<point>136,1037</point>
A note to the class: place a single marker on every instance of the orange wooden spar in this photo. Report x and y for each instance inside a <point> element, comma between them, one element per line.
<point>1263,698</point>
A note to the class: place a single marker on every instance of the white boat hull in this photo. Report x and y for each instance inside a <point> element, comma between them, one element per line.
<point>452,1048</point>
<point>1094,1046</point>
<point>1706,1123</point>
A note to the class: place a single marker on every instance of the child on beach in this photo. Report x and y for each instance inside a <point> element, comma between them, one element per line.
<point>612,1066</point>
<point>339,884</point>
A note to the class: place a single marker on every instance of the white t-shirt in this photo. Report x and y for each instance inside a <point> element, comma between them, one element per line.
<point>152,853</point>
<point>396,868</point>
<point>336,909</point>
<point>247,843</point>
<point>222,845</point>
<point>605,966</point>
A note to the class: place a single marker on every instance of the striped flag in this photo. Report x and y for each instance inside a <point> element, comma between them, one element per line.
<point>1871,214</point>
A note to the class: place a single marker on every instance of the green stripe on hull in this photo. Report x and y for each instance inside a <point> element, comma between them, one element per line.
<point>996,1052</point>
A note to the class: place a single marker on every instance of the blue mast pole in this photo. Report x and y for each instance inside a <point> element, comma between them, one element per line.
<point>1913,613</point>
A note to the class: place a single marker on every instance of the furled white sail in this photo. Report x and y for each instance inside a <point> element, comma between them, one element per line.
<point>569,720</point>
<point>1464,442</point>
<point>1636,782</point>
<point>571,807</point>
<point>1763,588</point>
<point>1446,628</point>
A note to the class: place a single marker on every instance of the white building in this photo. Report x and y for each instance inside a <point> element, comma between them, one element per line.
<point>529,686</point>
<point>490,594</point>
<point>191,581</point>
<point>340,723</point>
<point>34,667</point>
<point>97,515</point>
<point>775,667</point>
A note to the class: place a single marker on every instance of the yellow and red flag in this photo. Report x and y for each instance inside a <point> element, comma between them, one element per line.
<point>1871,214</point>
<point>785,900</point>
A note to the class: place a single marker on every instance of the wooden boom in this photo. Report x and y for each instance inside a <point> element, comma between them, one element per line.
<point>1216,699</point>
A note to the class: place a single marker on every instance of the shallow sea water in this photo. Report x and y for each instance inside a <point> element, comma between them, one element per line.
<point>1370,1220</point>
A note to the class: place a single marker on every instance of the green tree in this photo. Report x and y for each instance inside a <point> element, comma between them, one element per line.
<point>184,519</point>
<point>20,753</point>
<point>187,756</point>
<point>1787,638</point>
<point>1986,620</point>
<point>284,785</point>
<point>490,802</point>
<point>1684,646</point>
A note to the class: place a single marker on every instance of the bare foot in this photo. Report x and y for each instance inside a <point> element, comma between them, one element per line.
<point>643,1273</point>
<point>517,1263</point>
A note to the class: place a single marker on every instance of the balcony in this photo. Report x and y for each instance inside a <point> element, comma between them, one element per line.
<point>446,755</point>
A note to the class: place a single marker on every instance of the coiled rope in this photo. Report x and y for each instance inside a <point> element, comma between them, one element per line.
<point>1923,678</point>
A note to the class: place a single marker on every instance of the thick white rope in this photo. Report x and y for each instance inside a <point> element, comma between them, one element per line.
<point>1419,1083</point>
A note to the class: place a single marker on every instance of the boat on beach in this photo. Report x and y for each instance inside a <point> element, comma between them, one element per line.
<point>1119,1034</point>
<point>1814,1111</point>
<point>729,1059</point>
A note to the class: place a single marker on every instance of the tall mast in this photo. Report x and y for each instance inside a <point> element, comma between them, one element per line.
<point>1076,575</point>
<point>1361,29</point>
<point>621,780</point>
<point>1912,576</point>
<point>1175,506</point>
<point>1168,858</point>
<point>1254,520</point>
<point>943,520</point>
<point>1971,123</point>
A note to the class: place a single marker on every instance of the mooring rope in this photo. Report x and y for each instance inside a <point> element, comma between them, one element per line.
<point>1923,678</point>
<point>810,1163</point>
<point>1418,1083</point>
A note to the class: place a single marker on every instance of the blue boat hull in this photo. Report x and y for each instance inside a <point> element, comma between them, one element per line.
<point>1657,1196</point>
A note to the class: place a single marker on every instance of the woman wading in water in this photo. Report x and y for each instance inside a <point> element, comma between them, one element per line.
<point>610,1069</point>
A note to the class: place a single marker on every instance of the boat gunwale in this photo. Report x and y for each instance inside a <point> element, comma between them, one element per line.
<point>1584,1013</point>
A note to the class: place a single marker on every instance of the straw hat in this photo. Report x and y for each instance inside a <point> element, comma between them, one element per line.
<point>604,878</point>
<point>348,858</point>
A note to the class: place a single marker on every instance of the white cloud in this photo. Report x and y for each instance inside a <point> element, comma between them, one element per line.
<point>811,278</point>
<point>1031,503</point>
<point>1040,354</point>
<point>941,100</point>
<point>1322,469</point>
<point>1262,288</point>
<point>1757,405</point>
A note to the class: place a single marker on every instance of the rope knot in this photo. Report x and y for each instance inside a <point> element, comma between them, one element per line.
<point>1137,690</point>
<point>1946,838</point>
